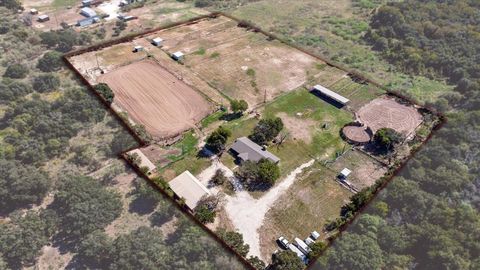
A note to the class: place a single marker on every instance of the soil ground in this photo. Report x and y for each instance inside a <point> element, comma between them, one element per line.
<point>155,98</point>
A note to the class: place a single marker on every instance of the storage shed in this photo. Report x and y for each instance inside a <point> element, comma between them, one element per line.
<point>178,56</point>
<point>157,41</point>
<point>33,11</point>
<point>344,173</point>
<point>43,18</point>
<point>137,48</point>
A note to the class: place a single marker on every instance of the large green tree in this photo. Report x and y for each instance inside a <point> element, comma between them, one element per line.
<point>21,185</point>
<point>84,205</point>
<point>286,260</point>
<point>266,130</point>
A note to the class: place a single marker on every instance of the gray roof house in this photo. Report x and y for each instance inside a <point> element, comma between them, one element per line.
<point>245,149</point>
<point>88,12</point>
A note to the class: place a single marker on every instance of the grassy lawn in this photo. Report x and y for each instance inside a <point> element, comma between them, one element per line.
<point>64,3</point>
<point>308,205</point>
<point>187,160</point>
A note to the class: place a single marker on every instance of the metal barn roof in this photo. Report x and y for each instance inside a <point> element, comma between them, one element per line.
<point>188,187</point>
<point>329,93</point>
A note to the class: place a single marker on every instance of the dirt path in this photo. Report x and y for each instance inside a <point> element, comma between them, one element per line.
<point>247,213</point>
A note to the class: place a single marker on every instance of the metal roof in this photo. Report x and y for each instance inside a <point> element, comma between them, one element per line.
<point>341,99</point>
<point>248,150</point>
<point>88,12</point>
<point>345,172</point>
<point>188,187</point>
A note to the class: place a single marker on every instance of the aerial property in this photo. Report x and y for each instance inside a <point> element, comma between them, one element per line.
<point>250,134</point>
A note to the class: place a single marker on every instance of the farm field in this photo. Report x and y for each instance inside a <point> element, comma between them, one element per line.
<point>180,102</point>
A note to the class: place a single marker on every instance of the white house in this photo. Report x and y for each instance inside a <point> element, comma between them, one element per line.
<point>188,187</point>
<point>88,12</point>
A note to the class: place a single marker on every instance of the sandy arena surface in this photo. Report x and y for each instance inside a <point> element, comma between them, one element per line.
<point>356,134</point>
<point>388,113</point>
<point>155,98</point>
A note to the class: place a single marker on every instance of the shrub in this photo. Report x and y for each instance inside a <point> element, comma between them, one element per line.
<point>105,91</point>
<point>51,61</point>
<point>46,82</point>
<point>16,71</point>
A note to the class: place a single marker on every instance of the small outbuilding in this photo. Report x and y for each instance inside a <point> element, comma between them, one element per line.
<point>157,41</point>
<point>302,246</point>
<point>309,241</point>
<point>33,11</point>
<point>315,235</point>
<point>88,21</point>
<point>344,173</point>
<point>43,18</point>
<point>188,187</point>
<point>86,3</point>
<point>330,94</point>
<point>137,49</point>
<point>178,56</point>
<point>88,12</point>
<point>144,162</point>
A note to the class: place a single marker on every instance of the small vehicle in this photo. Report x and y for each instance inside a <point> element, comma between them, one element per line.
<point>283,242</point>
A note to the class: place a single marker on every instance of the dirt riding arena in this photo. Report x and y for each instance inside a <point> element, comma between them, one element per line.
<point>356,134</point>
<point>386,112</point>
<point>155,98</point>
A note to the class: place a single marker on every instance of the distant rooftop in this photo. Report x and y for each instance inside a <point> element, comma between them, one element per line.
<point>248,150</point>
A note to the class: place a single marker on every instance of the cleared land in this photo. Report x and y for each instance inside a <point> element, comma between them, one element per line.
<point>155,98</point>
<point>388,113</point>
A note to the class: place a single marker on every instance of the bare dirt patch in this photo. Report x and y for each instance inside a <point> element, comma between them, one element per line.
<point>156,99</point>
<point>158,155</point>
<point>299,128</point>
<point>386,112</point>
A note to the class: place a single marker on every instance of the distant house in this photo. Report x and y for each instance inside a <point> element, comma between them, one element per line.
<point>330,94</point>
<point>245,149</point>
<point>88,12</point>
<point>188,187</point>
<point>157,41</point>
<point>86,3</point>
<point>43,18</point>
<point>178,56</point>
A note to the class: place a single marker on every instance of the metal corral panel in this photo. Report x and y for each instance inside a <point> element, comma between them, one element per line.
<point>329,93</point>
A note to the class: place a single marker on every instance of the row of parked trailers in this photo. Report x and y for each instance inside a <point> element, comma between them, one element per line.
<point>299,246</point>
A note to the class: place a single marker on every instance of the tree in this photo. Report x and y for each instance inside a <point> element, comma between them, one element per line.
<point>216,140</point>
<point>46,82</point>
<point>50,61</point>
<point>387,138</point>
<point>235,240</point>
<point>238,106</point>
<point>263,173</point>
<point>219,177</point>
<point>12,4</point>
<point>23,237</point>
<point>204,214</point>
<point>256,262</point>
<point>317,249</point>
<point>268,172</point>
<point>286,260</point>
<point>266,130</point>
<point>21,185</point>
<point>105,91</point>
<point>94,250</point>
<point>16,71</point>
<point>84,205</point>
<point>354,251</point>
<point>143,248</point>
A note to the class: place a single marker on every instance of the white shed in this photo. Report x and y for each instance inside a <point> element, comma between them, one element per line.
<point>188,187</point>
<point>345,173</point>
<point>137,48</point>
<point>157,41</point>
<point>33,11</point>
<point>88,12</point>
<point>43,18</point>
<point>178,55</point>
<point>315,235</point>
